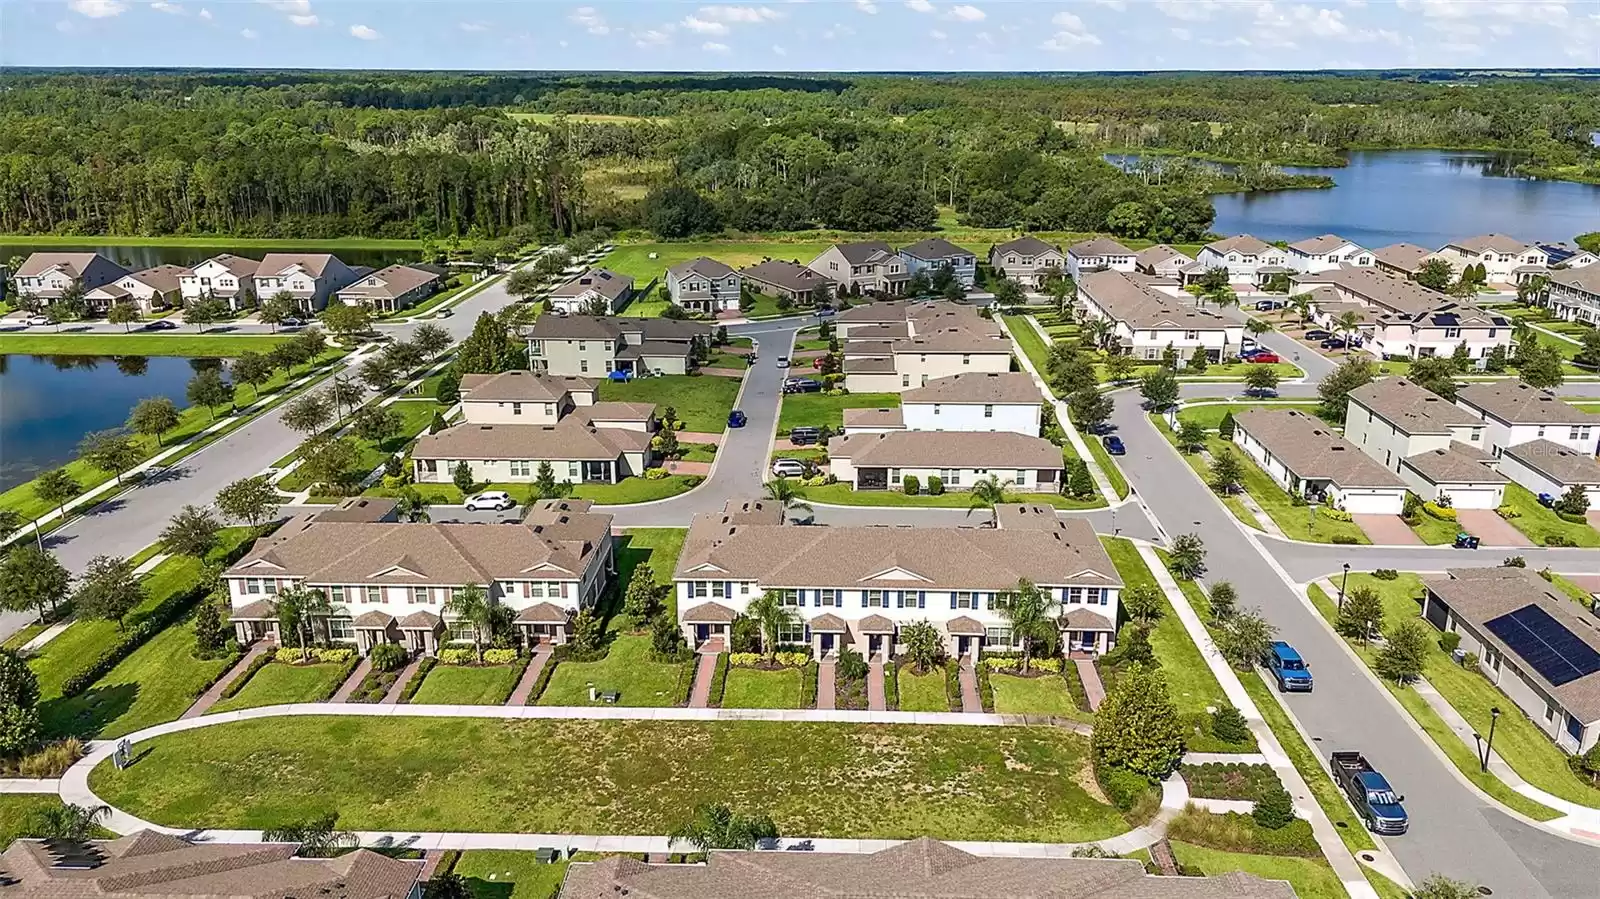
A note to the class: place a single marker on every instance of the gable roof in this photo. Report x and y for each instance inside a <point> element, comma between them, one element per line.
<point>934,248</point>
<point>520,385</point>
<point>1026,245</point>
<point>1158,254</point>
<point>1126,298</point>
<point>1517,403</point>
<point>1407,257</point>
<point>162,278</point>
<point>572,438</point>
<point>1499,243</point>
<point>73,264</point>
<point>1395,294</point>
<point>977,387</point>
<point>393,281</point>
<point>787,275</point>
<point>702,265</point>
<point>1411,408</point>
<point>1458,463</point>
<point>1561,464</point>
<point>1098,246</point>
<point>1000,450</point>
<point>1324,243</point>
<point>1240,243</point>
<point>863,251</point>
<point>1308,449</point>
<point>1586,279</point>
<point>611,327</point>
<point>605,282</point>
<point>274,264</point>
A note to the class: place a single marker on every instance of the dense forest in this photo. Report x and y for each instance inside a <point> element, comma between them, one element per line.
<point>313,154</point>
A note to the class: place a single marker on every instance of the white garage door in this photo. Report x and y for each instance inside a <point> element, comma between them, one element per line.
<point>1479,498</point>
<point>1374,503</point>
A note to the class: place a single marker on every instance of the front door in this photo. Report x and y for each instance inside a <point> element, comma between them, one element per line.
<point>827,643</point>
<point>874,643</point>
<point>962,644</point>
<point>702,633</point>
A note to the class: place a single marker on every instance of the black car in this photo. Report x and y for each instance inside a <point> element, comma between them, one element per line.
<point>1318,334</point>
<point>1113,445</point>
<point>160,325</point>
<point>802,385</point>
<point>1334,343</point>
<point>1269,305</point>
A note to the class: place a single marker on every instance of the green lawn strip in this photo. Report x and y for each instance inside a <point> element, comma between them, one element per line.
<point>628,490</point>
<point>101,344</point>
<point>17,808</point>
<point>415,416</point>
<point>923,692</point>
<point>843,495</point>
<point>21,638</point>
<point>699,452</point>
<point>1312,878</point>
<point>1537,522</point>
<point>1216,370</point>
<point>1529,752</point>
<point>753,688</point>
<point>988,783</point>
<point>1024,335</point>
<point>1107,465</point>
<point>1203,469</point>
<point>280,683</point>
<point>818,410</point>
<point>1210,415</point>
<point>701,401</point>
<point>467,685</point>
<point>1578,595</point>
<point>635,260</point>
<point>510,874</point>
<point>1045,694</point>
<point>657,547</point>
<point>1435,531</point>
<point>628,669</point>
<point>1386,888</point>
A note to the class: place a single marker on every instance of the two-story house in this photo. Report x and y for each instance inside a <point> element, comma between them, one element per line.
<point>1499,255</point>
<point>1162,261</point>
<point>1316,254</point>
<point>1098,254</point>
<point>152,289</point>
<point>1249,260</point>
<point>392,288</point>
<point>890,347</point>
<point>1027,260</point>
<point>49,275</point>
<point>1403,259</point>
<point>1402,318</point>
<point>309,278</point>
<point>858,587</point>
<point>704,285</point>
<point>588,346</point>
<point>388,581</point>
<point>1573,294</point>
<point>933,253</point>
<point>974,401</point>
<point>1308,459</point>
<point>1433,445</point>
<point>224,277</point>
<point>788,280</point>
<point>1147,321</point>
<point>597,285</point>
<point>863,267</point>
<point>1515,413</point>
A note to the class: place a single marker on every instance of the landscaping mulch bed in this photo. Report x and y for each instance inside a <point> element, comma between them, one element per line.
<point>1237,781</point>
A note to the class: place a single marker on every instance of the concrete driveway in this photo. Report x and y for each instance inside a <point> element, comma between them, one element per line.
<point>1490,528</point>
<point>1387,530</point>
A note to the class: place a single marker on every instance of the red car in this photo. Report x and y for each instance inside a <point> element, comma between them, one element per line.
<point>1263,357</point>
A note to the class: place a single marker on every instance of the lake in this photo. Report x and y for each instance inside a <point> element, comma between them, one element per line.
<point>1425,197</point>
<point>136,258</point>
<point>48,403</point>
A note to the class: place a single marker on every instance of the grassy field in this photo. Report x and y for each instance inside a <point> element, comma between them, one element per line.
<point>752,688</point>
<point>17,808</point>
<point>463,685</point>
<point>1312,878</point>
<point>1107,465</point>
<point>1024,335</point>
<point>635,260</point>
<point>701,401</point>
<point>509,874</point>
<point>279,683</point>
<point>1046,694</point>
<point>1210,415</point>
<point>657,547</point>
<point>238,243</point>
<point>924,692</point>
<point>192,345</point>
<point>415,416</point>
<point>817,410</point>
<point>1538,522</point>
<point>628,669</point>
<point>992,783</point>
<point>842,495</point>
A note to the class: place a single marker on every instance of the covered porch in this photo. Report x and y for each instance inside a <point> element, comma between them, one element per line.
<point>373,628</point>
<point>544,622</point>
<point>420,633</point>
<point>1083,631</point>
<point>827,635</point>
<point>256,621</point>
<point>966,637</point>
<point>707,622</point>
<point>875,637</point>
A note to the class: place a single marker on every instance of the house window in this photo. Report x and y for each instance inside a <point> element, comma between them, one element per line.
<point>583,345</point>
<point>1021,476</point>
<point>966,359</point>
<point>1074,596</point>
<point>572,470</point>
<point>965,599</point>
<point>997,637</point>
<point>792,632</point>
<point>607,346</point>
<point>1191,335</point>
<point>419,594</point>
<point>719,589</point>
<point>988,411</point>
<point>828,597</point>
<point>252,585</point>
<point>521,469</point>
<point>905,380</point>
<point>1452,332</point>
<point>583,365</point>
<point>1572,433</point>
<point>1492,332</point>
<point>951,477</point>
<point>1541,430</point>
<point>699,590</point>
<point>516,408</point>
<point>336,594</point>
<point>374,594</point>
<point>536,590</point>
<point>1477,434</point>
<point>460,631</point>
<point>935,408</point>
<point>341,629</point>
<point>270,586</point>
<point>874,600</point>
<point>789,598</point>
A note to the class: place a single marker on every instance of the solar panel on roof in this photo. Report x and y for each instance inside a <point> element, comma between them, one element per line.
<point>1556,653</point>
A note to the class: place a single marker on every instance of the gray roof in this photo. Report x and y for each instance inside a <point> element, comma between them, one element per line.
<point>1499,243</point>
<point>1586,279</point>
<point>786,275</point>
<point>394,281</point>
<point>1395,294</point>
<point>874,418</point>
<point>977,387</point>
<point>360,508</point>
<point>862,251</point>
<point>611,327</point>
<point>1240,243</point>
<point>934,248</point>
<point>1325,243</point>
<point>1453,466</point>
<point>274,264</point>
<point>919,869</point>
<point>702,265</point>
<point>570,439</point>
<point>73,263</point>
<point>163,278</point>
<point>1404,256</point>
<point>999,450</point>
<point>869,365</point>
<point>1410,408</point>
<point>1306,446</point>
<point>605,282</point>
<point>1127,299</point>
<point>1098,246</point>
<point>1027,245</point>
<point>1565,466</point>
<point>1158,254</point>
<point>521,386</point>
<point>1517,403</point>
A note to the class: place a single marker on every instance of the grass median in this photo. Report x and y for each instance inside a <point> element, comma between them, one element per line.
<point>701,401</point>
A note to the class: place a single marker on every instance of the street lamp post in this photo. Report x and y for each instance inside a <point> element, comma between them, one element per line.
<point>1342,584</point>
<point>1485,751</point>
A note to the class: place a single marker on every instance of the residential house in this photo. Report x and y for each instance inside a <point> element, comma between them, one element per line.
<point>1162,261</point>
<point>1546,467</point>
<point>388,582</point>
<point>1566,255</point>
<point>856,587</point>
<point>310,278</point>
<point>224,277</point>
<point>893,346</point>
<point>1098,254</point>
<point>973,401</point>
<point>1433,445</point>
<point>584,346</point>
<point>392,288</point>
<point>863,267</point>
<point>1027,260</point>
<point>49,275</point>
<point>1147,321</point>
<point>148,864</point>
<point>1316,254</point>
<point>517,420</point>
<point>1403,259</point>
<point>881,461</point>
<point>1530,640</point>
<point>1460,476</point>
<point>576,296</point>
<point>1517,413</point>
<point>919,868</point>
<point>934,253</point>
<point>1401,317</point>
<point>787,280</point>
<point>1499,255</point>
<point>1306,458</point>
<point>1573,294</point>
<point>1249,260</point>
<point>152,289</point>
<point>704,285</point>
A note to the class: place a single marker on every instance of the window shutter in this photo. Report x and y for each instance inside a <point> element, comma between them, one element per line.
<point>952,599</point>
<point>863,599</point>
<point>800,598</point>
<point>922,599</point>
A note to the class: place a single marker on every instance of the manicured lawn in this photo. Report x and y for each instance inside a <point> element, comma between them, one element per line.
<point>69,344</point>
<point>1312,878</point>
<point>752,688</point>
<point>415,416</point>
<point>1210,415</point>
<point>818,410</point>
<point>635,259</point>
<point>657,547</point>
<point>463,685</point>
<point>280,683</point>
<point>1203,469</point>
<point>1538,522</point>
<point>509,874</point>
<point>1435,531</point>
<point>627,669</point>
<point>636,490</point>
<point>1046,694</point>
<point>701,401</point>
<point>1295,521</point>
<point>923,692</point>
<point>617,777</point>
<point>843,495</point>
<point>17,808</point>
<point>1107,465</point>
<point>1029,341</point>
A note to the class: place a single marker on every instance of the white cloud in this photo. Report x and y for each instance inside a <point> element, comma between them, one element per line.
<point>249,34</point>
<point>1181,34</point>
<point>937,35</point>
<point>473,27</point>
<point>1117,5</point>
<point>653,37</point>
<point>965,13</point>
<point>778,50</point>
<point>1070,33</point>
<point>1189,10</point>
<point>97,9</point>
<point>298,11</point>
<point>172,9</point>
<point>919,5</point>
<point>867,6</point>
<point>748,15</point>
<point>205,14</point>
<point>701,26</point>
<point>984,37</point>
<point>838,30</point>
<point>590,19</point>
<point>714,47</point>
<point>364,33</point>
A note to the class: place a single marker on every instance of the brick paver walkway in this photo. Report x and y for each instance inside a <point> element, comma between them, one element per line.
<point>970,703</point>
<point>724,372</point>
<point>353,681</point>
<point>700,437</point>
<point>877,701</point>
<point>524,690</point>
<point>1489,527</point>
<point>705,669</point>
<point>210,697</point>
<point>682,467</point>
<point>393,696</point>
<point>1092,685</point>
<point>1387,530</point>
<point>827,686</point>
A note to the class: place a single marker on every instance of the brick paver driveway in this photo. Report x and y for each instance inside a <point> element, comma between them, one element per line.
<point>1387,530</point>
<point>1490,528</point>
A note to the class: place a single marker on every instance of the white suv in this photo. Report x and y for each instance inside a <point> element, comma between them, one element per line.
<point>789,468</point>
<point>496,500</point>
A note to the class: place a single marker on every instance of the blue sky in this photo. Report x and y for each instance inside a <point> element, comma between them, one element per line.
<point>803,35</point>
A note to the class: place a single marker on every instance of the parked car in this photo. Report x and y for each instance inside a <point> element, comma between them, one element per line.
<point>38,320</point>
<point>783,361</point>
<point>1269,305</point>
<point>1262,393</point>
<point>823,311</point>
<point>446,312</point>
<point>1113,445</point>
<point>737,419</point>
<point>805,436</point>
<point>1288,669</point>
<point>1375,801</point>
<point>789,468</point>
<point>801,385</point>
<point>1247,352</point>
<point>1267,357</point>
<point>1102,427</point>
<point>160,324</point>
<point>1546,500</point>
<point>1335,343</point>
<point>292,322</point>
<point>1318,334</point>
<point>495,500</point>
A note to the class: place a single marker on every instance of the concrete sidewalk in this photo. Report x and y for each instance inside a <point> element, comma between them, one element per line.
<point>1101,482</point>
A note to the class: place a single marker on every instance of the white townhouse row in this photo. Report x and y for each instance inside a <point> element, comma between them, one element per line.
<point>890,347</point>
<point>859,587</point>
<point>1574,294</point>
<point>1400,317</point>
<point>1147,321</point>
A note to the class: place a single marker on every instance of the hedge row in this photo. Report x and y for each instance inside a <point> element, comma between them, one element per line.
<point>719,681</point>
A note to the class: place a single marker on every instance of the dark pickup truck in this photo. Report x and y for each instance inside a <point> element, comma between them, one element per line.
<point>1370,793</point>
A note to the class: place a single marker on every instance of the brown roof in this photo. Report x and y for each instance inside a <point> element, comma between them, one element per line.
<point>1306,446</point>
<point>373,619</point>
<point>275,263</point>
<point>1099,246</point>
<point>72,263</point>
<point>1393,293</point>
<point>239,265</point>
<point>1156,255</point>
<point>1499,243</point>
<point>615,410</point>
<point>1410,408</point>
<point>1564,466</point>
<point>884,331</point>
<point>391,282</point>
<point>360,508</point>
<point>419,621</point>
<point>786,275</point>
<point>709,613</point>
<point>1514,402</point>
<point>162,278</point>
<point>964,626</point>
<point>544,613</point>
<point>872,624</point>
<point>520,385</point>
<point>954,340</point>
<point>569,440</point>
<point>1026,246</point>
<point>159,866</point>
<point>607,283</point>
<point>702,265</point>
<point>745,511</point>
<point>1404,256</point>
<point>260,610</point>
<point>611,327</point>
<point>827,623</point>
<point>1452,466</point>
<point>977,387</point>
<point>869,365</point>
<point>934,248</point>
<point>1085,620</point>
<point>1586,279</point>
<point>1325,243</point>
<point>1127,299</point>
<point>1242,243</point>
<point>1480,595</point>
<point>873,418</point>
<point>1004,450</point>
<point>867,557</point>
<point>1031,516</point>
<point>863,251</point>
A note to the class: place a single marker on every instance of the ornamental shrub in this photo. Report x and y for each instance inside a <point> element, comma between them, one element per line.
<point>935,485</point>
<point>456,657</point>
<point>1229,726</point>
<point>1449,641</point>
<point>1442,513</point>
<point>1386,574</point>
<point>910,485</point>
<point>1274,809</point>
<point>337,655</point>
<point>499,656</point>
<point>291,655</point>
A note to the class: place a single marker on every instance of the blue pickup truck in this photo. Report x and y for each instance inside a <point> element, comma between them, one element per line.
<point>1288,669</point>
<point>1375,801</point>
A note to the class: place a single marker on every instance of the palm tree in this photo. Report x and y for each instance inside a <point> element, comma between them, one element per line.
<point>783,492</point>
<point>316,836</point>
<point>1348,323</point>
<point>773,618</point>
<point>1099,331</point>
<point>471,604</point>
<point>719,827</point>
<point>66,822</point>
<point>297,608</point>
<point>1302,306</point>
<point>412,505</point>
<point>1257,327</point>
<point>1027,610</point>
<point>987,493</point>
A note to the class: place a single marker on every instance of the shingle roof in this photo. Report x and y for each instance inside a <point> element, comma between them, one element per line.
<point>862,251</point>
<point>702,265</point>
<point>709,613</point>
<point>393,281</point>
<point>1027,245</point>
<point>1325,243</point>
<point>934,248</point>
<point>1127,299</point>
<point>570,439</point>
<point>520,385</point>
<point>274,264</point>
<point>239,265</point>
<point>163,278</point>
<point>1499,243</point>
<point>873,418</point>
<point>868,365</point>
<point>1412,409</point>
<point>1401,295</point>
<point>1404,256</point>
<point>1005,450</point>
<point>1452,466</point>
<point>1586,279</point>
<point>977,387</point>
<point>607,283</point>
<point>1563,465</point>
<point>786,275</point>
<point>360,508</point>
<point>1241,243</point>
<point>1517,403</point>
<point>1306,446</point>
<point>38,263</point>
<point>610,327</point>
<point>1098,246</point>
<point>1158,254</point>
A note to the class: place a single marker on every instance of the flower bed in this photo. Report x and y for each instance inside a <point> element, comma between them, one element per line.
<point>1229,781</point>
